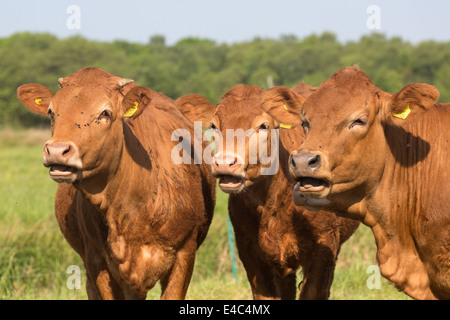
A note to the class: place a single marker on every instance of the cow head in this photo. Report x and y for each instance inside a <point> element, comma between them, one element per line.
<point>343,155</point>
<point>87,116</point>
<point>240,124</point>
<point>240,120</point>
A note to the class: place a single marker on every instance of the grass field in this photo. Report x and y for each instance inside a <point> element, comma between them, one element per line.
<point>34,256</point>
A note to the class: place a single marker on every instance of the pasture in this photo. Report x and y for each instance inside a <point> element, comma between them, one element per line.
<point>34,256</point>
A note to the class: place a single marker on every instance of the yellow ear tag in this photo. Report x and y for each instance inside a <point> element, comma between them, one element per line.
<point>403,114</point>
<point>285,126</point>
<point>132,110</point>
<point>38,101</point>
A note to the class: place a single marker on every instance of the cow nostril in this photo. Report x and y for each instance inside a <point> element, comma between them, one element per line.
<point>292,161</point>
<point>233,162</point>
<point>46,149</point>
<point>314,162</point>
<point>67,150</point>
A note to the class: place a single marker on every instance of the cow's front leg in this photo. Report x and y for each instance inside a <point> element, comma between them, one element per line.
<point>175,283</point>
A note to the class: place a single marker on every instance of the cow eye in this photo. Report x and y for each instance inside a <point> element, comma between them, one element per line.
<point>50,113</point>
<point>305,125</point>
<point>213,126</point>
<point>263,126</point>
<point>358,123</point>
<point>106,114</point>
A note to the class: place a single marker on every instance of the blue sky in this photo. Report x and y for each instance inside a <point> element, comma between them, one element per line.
<point>227,20</point>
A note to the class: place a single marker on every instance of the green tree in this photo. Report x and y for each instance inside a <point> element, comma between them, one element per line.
<point>196,65</point>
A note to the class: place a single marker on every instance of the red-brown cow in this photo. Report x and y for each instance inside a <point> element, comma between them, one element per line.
<point>131,214</point>
<point>273,236</point>
<point>382,159</point>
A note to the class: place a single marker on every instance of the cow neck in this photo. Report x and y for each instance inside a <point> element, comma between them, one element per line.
<point>124,186</point>
<point>255,195</point>
<point>395,213</point>
<point>409,165</point>
<point>268,189</point>
<point>96,189</point>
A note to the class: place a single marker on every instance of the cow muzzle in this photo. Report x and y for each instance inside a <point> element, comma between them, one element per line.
<point>63,160</point>
<point>229,169</point>
<point>309,169</point>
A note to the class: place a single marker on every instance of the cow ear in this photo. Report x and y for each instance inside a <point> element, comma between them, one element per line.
<point>196,108</point>
<point>135,102</point>
<point>303,89</point>
<point>35,97</point>
<point>284,105</point>
<point>410,102</point>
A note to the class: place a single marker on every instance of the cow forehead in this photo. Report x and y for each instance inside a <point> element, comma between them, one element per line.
<point>348,90</point>
<point>81,97</point>
<point>238,114</point>
<point>336,102</point>
<point>91,76</point>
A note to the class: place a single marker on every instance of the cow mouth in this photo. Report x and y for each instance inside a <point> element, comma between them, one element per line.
<point>311,193</point>
<point>230,183</point>
<point>62,173</point>
<point>308,184</point>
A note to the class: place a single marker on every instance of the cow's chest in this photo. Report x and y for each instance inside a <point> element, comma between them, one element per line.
<point>280,245</point>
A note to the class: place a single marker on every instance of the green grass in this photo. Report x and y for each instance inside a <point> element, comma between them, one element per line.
<point>34,256</point>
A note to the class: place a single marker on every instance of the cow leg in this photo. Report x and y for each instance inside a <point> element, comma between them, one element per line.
<point>318,275</point>
<point>259,274</point>
<point>260,277</point>
<point>175,283</point>
<point>286,286</point>
<point>91,288</point>
<point>264,281</point>
<point>100,284</point>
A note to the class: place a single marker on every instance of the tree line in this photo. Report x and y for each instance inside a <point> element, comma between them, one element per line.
<point>203,66</point>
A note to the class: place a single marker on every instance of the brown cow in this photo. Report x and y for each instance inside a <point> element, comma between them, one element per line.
<point>131,214</point>
<point>273,236</point>
<point>382,159</point>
